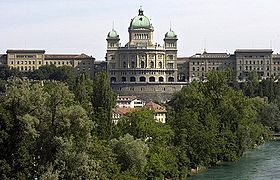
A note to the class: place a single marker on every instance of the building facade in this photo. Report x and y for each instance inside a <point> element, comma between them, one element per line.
<point>242,62</point>
<point>160,112</point>
<point>141,60</point>
<point>129,102</point>
<point>142,66</point>
<point>30,60</point>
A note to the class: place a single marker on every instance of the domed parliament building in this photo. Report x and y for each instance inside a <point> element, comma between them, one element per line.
<point>142,66</point>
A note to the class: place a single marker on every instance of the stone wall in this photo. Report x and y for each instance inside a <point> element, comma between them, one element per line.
<point>157,92</point>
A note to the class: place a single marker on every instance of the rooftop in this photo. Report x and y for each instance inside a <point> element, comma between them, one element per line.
<point>67,56</point>
<point>254,51</point>
<point>25,51</point>
<point>211,55</point>
<point>155,107</point>
<point>276,55</point>
<point>122,110</point>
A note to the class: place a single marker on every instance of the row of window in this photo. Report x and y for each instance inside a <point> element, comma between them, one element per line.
<point>170,45</point>
<point>142,79</point>
<point>25,56</point>
<point>214,63</point>
<point>133,57</point>
<point>253,62</point>
<point>154,89</point>
<point>26,68</point>
<point>202,68</point>
<point>258,68</point>
<point>142,64</point>
<point>141,36</point>
<point>142,72</point>
<point>51,62</point>
<point>59,63</point>
<point>26,62</point>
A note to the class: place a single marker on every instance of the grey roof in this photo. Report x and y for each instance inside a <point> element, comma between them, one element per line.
<point>276,55</point>
<point>67,56</point>
<point>24,51</point>
<point>211,55</point>
<point>253,51</point>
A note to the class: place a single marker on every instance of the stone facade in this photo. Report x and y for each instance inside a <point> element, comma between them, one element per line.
<point>142,60</point>
<point>142,65</point>
<point>129,102</point>
<point>159,92</point>
<point>248,60</point>
<point>29,60</point>
<point>243,61</point>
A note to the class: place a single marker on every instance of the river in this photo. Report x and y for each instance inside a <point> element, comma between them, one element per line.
<point>263,163</point>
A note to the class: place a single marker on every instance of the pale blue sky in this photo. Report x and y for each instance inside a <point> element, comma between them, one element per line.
<point>81,26</point>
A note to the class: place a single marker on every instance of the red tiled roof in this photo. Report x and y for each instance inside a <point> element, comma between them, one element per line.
<point>155,107</point>
<point>123,111</point>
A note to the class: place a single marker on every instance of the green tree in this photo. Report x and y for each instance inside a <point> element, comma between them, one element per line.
<point>131,154</point>
<point>83,91</point>
<point>44,72</point>
<point>214,122</point>
<point>46,133</point>
<point>103,100</point>
<point>6,72</point>
<point>162,161</point>
<point>270,116</point>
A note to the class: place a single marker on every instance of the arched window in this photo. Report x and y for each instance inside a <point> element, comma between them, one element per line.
<point>113,79</point>
<point>160,65</point>
<point>181,77</point>
<point>124,64</point>
<point>142,79</point>
<point>132,79</point>
<point>160,79</point>
<point>152,79</point>
<point>152,64</point>
<point>142,64</point>
<point>171,79</point>
<point>123,79</point>
<point>132,64</point>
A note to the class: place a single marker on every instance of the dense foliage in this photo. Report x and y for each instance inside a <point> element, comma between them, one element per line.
<point>48,131</point>
<point>215,123</point>
<point>64,74</point>
<point>269,89</point>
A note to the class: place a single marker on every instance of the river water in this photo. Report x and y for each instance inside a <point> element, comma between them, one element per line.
<point>263,163</point>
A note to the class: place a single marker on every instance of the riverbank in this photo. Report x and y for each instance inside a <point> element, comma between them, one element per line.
<point>262,163</point>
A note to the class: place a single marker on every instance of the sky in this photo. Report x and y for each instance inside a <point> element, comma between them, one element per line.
<point>81,26</point>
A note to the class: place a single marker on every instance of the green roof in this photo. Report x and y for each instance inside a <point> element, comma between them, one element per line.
<point>113,34</point>
<point>170,34</point>
<point>140,21</point>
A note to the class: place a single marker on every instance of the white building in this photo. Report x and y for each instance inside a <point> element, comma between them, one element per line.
<point>129,102</point>
<point>160,111</point>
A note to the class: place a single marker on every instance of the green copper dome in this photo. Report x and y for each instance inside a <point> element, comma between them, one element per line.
<point>170,34</point>
<point>113,34</point>
<point>140,21</point>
